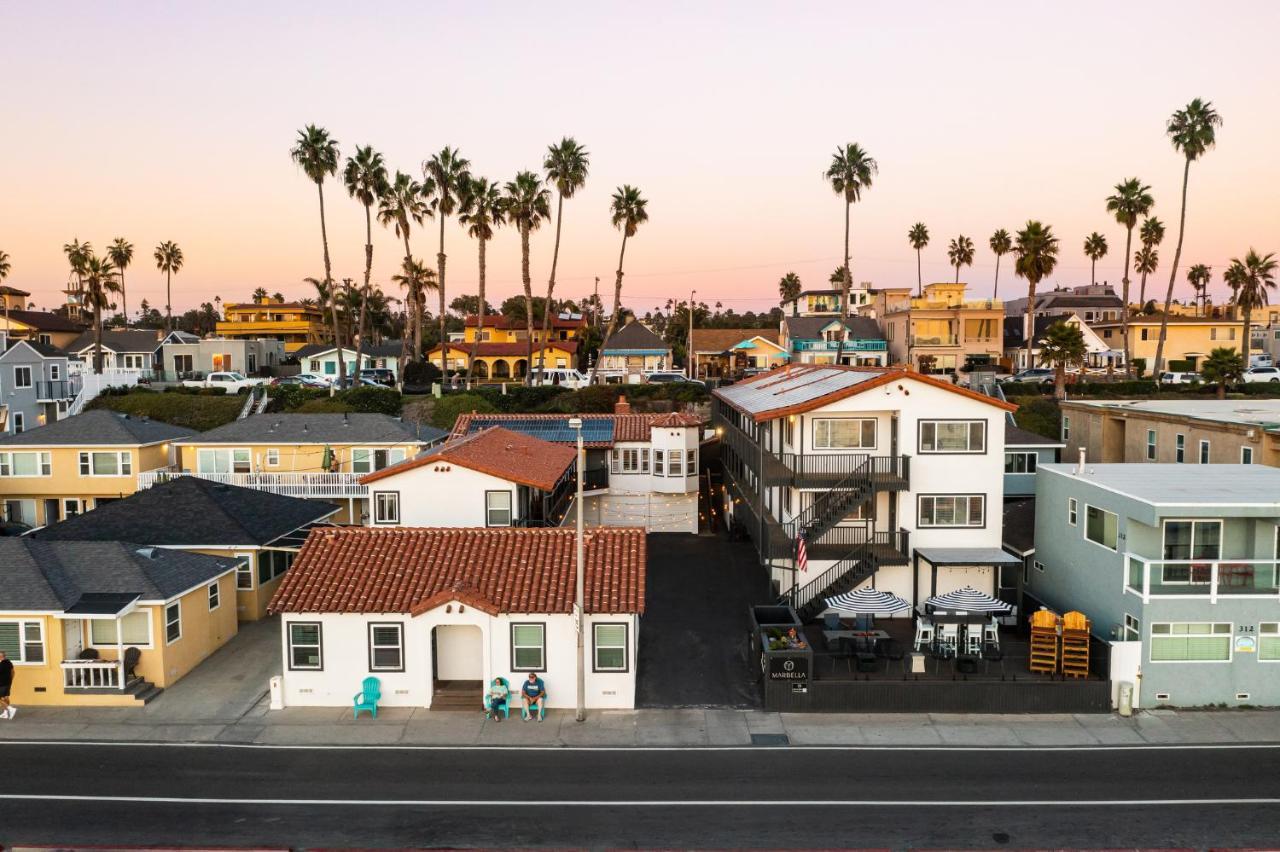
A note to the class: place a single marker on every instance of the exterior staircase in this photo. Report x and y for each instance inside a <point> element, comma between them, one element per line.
<point>879,548</point>
<point>143,691</point>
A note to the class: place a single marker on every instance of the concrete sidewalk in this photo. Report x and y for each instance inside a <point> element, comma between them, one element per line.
<point>632,728</point>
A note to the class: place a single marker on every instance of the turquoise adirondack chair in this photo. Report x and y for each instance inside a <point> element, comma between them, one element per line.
<point>367,697</point>
<point>506,708</point>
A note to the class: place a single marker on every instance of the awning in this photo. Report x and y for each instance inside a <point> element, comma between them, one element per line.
<point>961,556</point>
<point>101,605</point>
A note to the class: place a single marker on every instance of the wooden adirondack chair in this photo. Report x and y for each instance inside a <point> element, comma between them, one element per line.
<point>367,697</point>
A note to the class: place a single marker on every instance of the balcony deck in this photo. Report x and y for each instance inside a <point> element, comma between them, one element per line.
<point>305,485</point>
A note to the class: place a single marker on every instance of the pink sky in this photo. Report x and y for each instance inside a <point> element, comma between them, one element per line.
<point>158,121</point>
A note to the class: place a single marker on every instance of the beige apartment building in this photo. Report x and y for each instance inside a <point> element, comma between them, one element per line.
<point>941,331</point>
<point>1201,431</point>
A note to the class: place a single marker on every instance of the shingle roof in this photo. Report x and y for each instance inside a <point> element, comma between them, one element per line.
<point>350,428</point>
<point>634,335</point>
<point>189,511</point>
<point>513,570</point>
<point>44,350</point>
<point>53,576</point>
<point>517,348</point>
<point>385,349</point>
<point>98,427</point>
<point>1016,437</point>
<point>45,321</point>
<point>118,341</point>
<point>620,427</point>
<point>724,339</point>
<point>810,328</point>
<point>1020,525</point>
<point>499,452</point>
<point>6,290</point>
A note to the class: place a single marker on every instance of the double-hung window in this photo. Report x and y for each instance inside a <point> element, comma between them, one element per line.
<point>106,464</point>
<point>1132,628</point>
<point>609,647</point>
<point>273,458</point>
<point>1066,423</point>
<point>953,436</point>
<point>1191,642</point>
<point>528,647</point>
<point>22,641</point>
<point>1020,462</point>
<point>386,647</point>
<point>497,508</point>
<point>26,464</point>
<point>1101,527</point>
<point>1204,452</point>
<point>1179,448</point>
<point>675,463</point>
<point>1151,445</point>
<point>304,646</point>
<point>223,461</point>
<point>244,574</point>
<point>1073,510</point>
<point>22,377</point>
<point>386,507</point>
<point>173,622</point>
<point>632,460</point>
<point>1246,455</point>
<point>952,510</point>
<point>215,597</point>
<point>844,433</point>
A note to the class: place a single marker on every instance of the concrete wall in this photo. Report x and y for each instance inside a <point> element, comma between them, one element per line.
<point>1109,437</point>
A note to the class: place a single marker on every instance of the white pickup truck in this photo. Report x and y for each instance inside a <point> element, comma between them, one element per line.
<point>229,382</point>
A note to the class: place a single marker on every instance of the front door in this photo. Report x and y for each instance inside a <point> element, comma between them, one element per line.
<point>72,639</point>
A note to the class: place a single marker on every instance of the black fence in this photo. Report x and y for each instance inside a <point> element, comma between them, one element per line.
<point>958,696</point>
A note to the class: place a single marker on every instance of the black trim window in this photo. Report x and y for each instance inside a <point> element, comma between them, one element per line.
<point>609,647</point>
<point>844,433</point>
<point>173,622</point>
<point>273,564</point>
<point>953,436</point>
<point>497,508</point>
<point>386,647</point>
<point>1020,462</point>
<point>386,507</point>
<point>952,510</point>
<point>1101,527</point>
<point>528,647</point>
<point>214,596</point>
<point>304,646</point>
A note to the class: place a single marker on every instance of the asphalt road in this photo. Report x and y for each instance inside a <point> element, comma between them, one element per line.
<point>850,797</point>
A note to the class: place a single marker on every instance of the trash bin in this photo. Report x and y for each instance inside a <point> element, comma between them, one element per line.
<point>1125,698</point>
<point>277,693</point>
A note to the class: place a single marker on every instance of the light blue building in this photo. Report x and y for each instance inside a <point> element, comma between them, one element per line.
<point>1024,452</point>
<point>36,386</point>
<point>1176,566</point>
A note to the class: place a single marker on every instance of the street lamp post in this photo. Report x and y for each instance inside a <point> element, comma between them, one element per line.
<point>688,356</point>
<point>575,423</point>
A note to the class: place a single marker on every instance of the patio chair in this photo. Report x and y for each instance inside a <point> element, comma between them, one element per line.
<point>368,696</point>
<point>506,706</point>
<point>132,656</point>
<point>891,650</point>
<point>863,622</point>
<point>924,634</point>
<point>867,662</point>
<point>831,621</point>
<point>843,650</point>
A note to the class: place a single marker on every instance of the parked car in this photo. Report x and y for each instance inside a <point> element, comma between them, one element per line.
<point>302,381</point>
<point>381,375</point>
<point>316,379</point>
<point>1042,375</point>
<point>1181,378</point>
<point>672,377</point>
<point>228,382</point>
<point>559,377</point>
<point>354,381</point>
<point>1262,374</point>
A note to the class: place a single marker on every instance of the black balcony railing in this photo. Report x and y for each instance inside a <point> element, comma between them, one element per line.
<point>63,389</point>
<point>864,559</point>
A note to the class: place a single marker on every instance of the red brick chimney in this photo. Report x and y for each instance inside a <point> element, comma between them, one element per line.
<point>622,406</point>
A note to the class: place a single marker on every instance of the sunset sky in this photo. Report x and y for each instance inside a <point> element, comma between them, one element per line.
<point>157,121</point>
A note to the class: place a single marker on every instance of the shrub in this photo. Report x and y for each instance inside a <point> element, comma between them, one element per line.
<point>192,411</point>
<point>293,397</point>
<point>1040,415</point>
<point>519,397</point>
<point>420,373</point>
<point>371,400</point>
<point>448,408</point>
<point>1179,365</point>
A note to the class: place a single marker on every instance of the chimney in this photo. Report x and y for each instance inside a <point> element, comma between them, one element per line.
<point>1081,463</point>
<point>622,406</point>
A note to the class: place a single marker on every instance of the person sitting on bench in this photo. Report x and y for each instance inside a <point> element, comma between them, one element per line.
<point>533,695</point>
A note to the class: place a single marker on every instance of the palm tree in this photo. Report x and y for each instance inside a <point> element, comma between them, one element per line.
<point>1001,244</point>
<point>481,209</point>
<point>1062,346</point>
<point>417,280</point>
<point>851,171</point>
<point>99,280</point>
<point>77,256</point>
<point>1222,368</point>
<point>120,253</point>
<point>566,165</point>
<point>1095,248</point>
<point>1152,235</point>
<point>789,288</point>
<point>401,206</point>
<point>1198,277</point>
<point>169,260</point>
<point>442,178</point>
<point>528,204</point>
<point>1037,251</point>
<point>316,152</point>
<point>5,268</point>
<point>960,253</point>
<point>366,180</point>
<point>1145,262</point>
<point>259,294</point>
<point>1192,130</point>
<point>628,211</point>
<point>1253,277</point>
<point>918,237</point>
<point>1132,199</point>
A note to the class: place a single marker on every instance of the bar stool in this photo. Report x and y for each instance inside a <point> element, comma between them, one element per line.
<point>991,633</point>
<point>973,639</point>
<point>924,633</point>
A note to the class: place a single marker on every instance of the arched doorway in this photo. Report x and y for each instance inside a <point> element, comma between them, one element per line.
<point>521,367</point>
<point>501,370</point>
<point>482,369</point>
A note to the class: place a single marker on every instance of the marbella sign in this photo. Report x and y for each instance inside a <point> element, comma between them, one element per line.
<point>788,668</point>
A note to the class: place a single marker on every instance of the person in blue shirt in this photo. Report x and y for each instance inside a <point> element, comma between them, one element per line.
<point>533,694</point>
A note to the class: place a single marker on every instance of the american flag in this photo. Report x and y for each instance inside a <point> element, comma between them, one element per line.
<point>802,555</point>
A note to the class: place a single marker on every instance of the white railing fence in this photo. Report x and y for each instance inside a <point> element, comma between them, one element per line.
<point>1201,578</point>
<point>93,384</point>
<point>91,674</point>
<point>287,484</point>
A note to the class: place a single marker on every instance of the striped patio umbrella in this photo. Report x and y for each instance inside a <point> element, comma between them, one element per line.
<point>867,601</point>
<point>968,599</point>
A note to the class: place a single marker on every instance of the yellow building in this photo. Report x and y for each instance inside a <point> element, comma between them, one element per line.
<point>313,456</point>
<point>503,350</point>
<point>258,531</point>
<point>295,323</point>
<point>942,331</point>
<point>1188,339</point>
<point>70,466</point>
<point>67,626</point>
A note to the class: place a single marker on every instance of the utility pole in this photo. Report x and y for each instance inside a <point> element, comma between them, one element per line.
<point>575,423</point>
<point>688,356</point>
<point>595,305</point>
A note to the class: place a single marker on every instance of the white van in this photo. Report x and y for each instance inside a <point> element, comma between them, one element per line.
<point>1261,359</point>
<point>558,377</point>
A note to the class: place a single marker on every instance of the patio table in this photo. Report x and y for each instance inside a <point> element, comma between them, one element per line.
<point>836,635</point>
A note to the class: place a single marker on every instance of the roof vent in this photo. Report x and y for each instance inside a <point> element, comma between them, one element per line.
<point>147,552</point>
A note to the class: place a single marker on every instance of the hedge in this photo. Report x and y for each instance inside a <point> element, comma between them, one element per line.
<point>198,411</point>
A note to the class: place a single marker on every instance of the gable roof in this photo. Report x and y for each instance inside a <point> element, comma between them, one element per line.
<point>1020,526</point>
<point>499,452</point>
<point>298,428</point>
<point>810,328</point>
<point>119,340</point>
<point>180,337</point>
<point>385,349</point>
<point>634,335</point>
<point>53,576</point>
<point>98,427</point>
<point>1017,437</point>
<point>188,511</point>
<point>724,339</point>
<point>805,387</point>
<point>498,570</point>
<point>600,431</point>
<point>45,321</point>
<point>43,350</point>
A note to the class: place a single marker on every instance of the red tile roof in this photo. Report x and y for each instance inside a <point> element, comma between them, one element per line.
<point>412,569</point>
<point>499,452</point>
<point>517,349</point>
<point>502,321</point>
<point>626,427</point>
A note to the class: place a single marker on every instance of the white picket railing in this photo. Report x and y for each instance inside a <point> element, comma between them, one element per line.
<point>288,484</point>
<point>90,674</point>
<point>93,383</point>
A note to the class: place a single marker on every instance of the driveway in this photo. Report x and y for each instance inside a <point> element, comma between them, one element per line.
<point>693,637</point>
<point>229,682</point>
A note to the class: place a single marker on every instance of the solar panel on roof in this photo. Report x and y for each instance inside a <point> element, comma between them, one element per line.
<point>594,430</point>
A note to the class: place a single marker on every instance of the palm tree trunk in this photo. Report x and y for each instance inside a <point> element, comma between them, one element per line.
<point>1173,271</point>
<point>846,284</point>
<point>368,273</point>
<point>407,331</point>
<point>919,274</point>
<point>617,307</point>
<point>1142,289</point>
<point>328,284</point>
<point>995,289</point>
<point>1124,309</point>
<point>528,301</point>
<point>97,333</point>
<point>475,344</point>
<point>124,302</point>
<point>1031,319</point>
<point>1245,332</point>
<point>1093,272</point>
<point>551,286</point>
<point>168,301</point>
<point>444,337</point>
<point>1060,380</point>
<point>957,273</point>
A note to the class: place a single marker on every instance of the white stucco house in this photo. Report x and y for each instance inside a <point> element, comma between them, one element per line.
<point>436,612</point>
